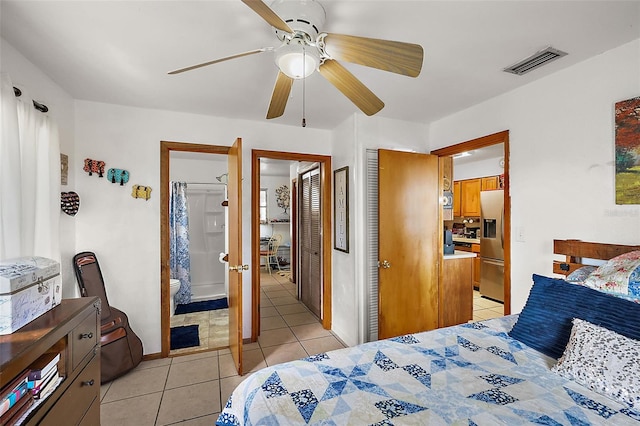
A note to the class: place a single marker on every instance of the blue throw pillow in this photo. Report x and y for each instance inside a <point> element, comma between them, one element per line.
<point>546,320</point>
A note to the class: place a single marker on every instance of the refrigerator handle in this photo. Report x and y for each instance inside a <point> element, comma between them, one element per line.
<point>502,228</point>
<point>493,262</point>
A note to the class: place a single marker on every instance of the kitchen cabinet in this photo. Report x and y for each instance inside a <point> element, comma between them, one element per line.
<point>489,183</point>
<point>456,291</point>
<point>475,270</point>
<point>475,248</point>
<point>466,194</point>
<point>470,197</point>
<point>71,329</point>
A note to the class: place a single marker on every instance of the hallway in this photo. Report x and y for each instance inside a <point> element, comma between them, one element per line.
<point>288,330</point>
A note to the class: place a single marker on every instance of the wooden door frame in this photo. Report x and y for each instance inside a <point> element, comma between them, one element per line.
<point>293,261</point>
<point>165,269</point>
<point>325,182</point>
<point>481,142</point>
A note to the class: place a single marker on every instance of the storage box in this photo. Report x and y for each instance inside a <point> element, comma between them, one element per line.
<point>29,287</point>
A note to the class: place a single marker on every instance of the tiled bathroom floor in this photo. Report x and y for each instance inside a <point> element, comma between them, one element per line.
<point>191,389</point>
<point>213,329</point>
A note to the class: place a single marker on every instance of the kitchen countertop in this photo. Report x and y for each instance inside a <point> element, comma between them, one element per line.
<point>466,240</point>
<point>459,254</point>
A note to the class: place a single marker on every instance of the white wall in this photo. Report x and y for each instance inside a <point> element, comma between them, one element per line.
<point>201,167</point>
<point>31,80</point>
<point>125,232</point>
<point>345,293</point>
<point>562,158</point>
<point>476,169</point>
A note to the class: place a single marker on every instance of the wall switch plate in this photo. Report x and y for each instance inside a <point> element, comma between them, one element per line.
<point>520,234</point>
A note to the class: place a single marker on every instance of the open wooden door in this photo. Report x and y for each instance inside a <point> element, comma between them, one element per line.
<point>408,238</point>
<point>234,190</point>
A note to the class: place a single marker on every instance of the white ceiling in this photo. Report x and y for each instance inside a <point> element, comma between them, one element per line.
<point>120,51</point>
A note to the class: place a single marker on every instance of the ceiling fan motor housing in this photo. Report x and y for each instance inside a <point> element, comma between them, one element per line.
<point>306,16</point>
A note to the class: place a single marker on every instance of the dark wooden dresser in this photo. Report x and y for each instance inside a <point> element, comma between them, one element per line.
<point>72,330</point>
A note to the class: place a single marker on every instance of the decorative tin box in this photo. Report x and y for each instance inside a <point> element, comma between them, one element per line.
<point>29,287</point>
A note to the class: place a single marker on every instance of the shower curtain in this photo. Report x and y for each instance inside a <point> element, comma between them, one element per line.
<point>179,241</point>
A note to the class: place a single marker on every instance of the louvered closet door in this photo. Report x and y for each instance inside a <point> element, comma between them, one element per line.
<point>310,242</point>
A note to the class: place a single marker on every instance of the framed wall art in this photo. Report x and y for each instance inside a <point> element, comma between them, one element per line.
<point>341,209</point>
<point>627,157</point>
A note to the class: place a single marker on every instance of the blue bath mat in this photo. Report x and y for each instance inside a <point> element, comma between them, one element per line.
<point>204,305</point>
<point>185,337</point>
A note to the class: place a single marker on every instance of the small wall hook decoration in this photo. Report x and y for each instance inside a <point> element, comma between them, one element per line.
<point>70,202</point>
<point>94,166</point>
<point>139,191</point>
<point>120,176</point>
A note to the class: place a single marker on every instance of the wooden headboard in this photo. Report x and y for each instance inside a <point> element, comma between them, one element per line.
<point>575,250</point>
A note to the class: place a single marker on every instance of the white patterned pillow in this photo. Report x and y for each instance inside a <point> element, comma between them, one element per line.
<point>618,276</point>
<point>603,361</point>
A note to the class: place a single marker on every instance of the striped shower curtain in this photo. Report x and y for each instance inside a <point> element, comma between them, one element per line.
<point>179,241</point>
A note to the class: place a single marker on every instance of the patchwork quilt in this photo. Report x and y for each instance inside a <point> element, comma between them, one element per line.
<point>471,374</point>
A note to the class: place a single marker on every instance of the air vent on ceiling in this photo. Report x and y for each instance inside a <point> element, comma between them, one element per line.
<point>535,61</point>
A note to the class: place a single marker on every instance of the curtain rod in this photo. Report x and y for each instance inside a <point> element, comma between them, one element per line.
<point>205,183</point>
<point>37,105</point>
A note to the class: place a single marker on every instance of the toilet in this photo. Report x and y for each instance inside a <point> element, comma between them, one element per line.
<point>174,286</point>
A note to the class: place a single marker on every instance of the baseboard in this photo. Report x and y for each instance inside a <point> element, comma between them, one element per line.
<point>150,357</point>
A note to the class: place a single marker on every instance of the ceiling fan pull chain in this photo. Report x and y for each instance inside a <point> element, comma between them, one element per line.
<point>304,65</point>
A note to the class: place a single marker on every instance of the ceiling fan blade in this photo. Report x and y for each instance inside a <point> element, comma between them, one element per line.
<point>280,95</point>
<point>268,15</point>
<point>393,56</point>
<point>351,87</point>
<point>215,61</point>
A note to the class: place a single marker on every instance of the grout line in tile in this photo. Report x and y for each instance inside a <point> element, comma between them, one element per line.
<point>259,346</point>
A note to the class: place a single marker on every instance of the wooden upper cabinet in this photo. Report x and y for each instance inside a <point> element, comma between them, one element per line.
<point>466,194</point>
<point>470,197</point>
<point>489,183</point>
<point>457,208</point>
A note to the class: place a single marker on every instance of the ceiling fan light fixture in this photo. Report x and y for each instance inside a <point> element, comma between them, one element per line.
<point>296,61</point>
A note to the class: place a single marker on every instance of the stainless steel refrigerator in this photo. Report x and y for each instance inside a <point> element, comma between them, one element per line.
<point>492,244</point>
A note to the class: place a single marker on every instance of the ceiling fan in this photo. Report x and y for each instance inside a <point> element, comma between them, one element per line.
<point>304,49</point>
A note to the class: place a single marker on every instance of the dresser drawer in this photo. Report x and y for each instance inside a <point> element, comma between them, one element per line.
<point>71,408</point>
<point>92,416</point>
<point>84,338</point>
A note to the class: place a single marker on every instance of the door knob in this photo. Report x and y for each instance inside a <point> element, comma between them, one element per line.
<point>239,268</point>
<point>384,264</point>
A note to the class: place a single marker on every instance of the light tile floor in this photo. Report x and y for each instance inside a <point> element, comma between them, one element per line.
<point>484,309</point>
<point>191,389</point>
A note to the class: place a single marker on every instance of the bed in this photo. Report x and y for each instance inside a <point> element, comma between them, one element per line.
<point>552,364</point>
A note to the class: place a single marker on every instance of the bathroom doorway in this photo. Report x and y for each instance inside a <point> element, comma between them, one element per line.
<point>199,318</point>
<point>203,305</point>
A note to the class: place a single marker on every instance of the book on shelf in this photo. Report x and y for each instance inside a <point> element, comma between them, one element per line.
<point>47,387</point>
<point>11,393</point>
<point>44,383</point>
<point>43,365</point>
<point>14,413</point>
<point>37,384</point>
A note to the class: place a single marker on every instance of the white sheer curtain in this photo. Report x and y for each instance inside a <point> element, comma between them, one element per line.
<point>29,178</point>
